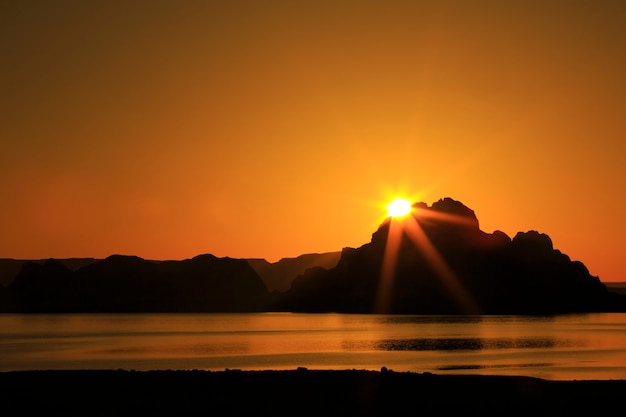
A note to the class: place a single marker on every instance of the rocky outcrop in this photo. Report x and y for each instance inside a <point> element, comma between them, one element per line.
<point>438,261</point>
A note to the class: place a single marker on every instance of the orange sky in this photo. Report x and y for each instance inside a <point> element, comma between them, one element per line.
<point>166,129</point>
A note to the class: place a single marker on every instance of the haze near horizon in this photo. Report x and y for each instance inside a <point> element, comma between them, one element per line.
<point>272,129</point>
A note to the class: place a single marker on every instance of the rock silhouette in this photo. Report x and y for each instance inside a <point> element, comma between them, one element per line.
<point>9,268</point>
<point>131,284</point>
<point>444,264</point>
<point>434,261</point>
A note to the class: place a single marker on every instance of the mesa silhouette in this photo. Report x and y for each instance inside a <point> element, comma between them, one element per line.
<point>434,261</point>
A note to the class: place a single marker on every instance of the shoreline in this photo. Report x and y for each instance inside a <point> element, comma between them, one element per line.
<point>299,391</point>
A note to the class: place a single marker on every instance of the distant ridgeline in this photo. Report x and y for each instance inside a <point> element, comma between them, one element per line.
<point>132,284</point>
<point>434,261</point>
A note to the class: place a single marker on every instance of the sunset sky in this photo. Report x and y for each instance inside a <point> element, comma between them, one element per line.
<point>268,129</point>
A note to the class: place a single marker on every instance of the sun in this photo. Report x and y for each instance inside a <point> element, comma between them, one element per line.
<point>399,207</point>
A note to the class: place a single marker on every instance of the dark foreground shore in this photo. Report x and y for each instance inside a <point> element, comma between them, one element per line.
<point>298,392</point>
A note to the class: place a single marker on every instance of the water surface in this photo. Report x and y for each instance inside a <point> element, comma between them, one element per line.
<point>587,346</point>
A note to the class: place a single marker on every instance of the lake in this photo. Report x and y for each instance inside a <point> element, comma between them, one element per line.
<point>564,347</point>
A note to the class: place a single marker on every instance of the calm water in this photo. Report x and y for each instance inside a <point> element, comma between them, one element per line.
<point>590,346</point>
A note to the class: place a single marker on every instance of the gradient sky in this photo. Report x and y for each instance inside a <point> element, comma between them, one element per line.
<point>167,129</point>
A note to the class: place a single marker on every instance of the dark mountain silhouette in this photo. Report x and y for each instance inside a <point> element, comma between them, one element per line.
<point>444,264</point>
<point>131,284</point>
<point>9,268</point>
<point>278,276</point>
<point>434,261</point>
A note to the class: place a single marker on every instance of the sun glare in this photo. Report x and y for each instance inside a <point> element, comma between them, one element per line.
<point>399,207</point>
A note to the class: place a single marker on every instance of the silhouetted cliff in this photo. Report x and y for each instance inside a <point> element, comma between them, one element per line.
<point>131,284</point>
<point>438,261</point>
